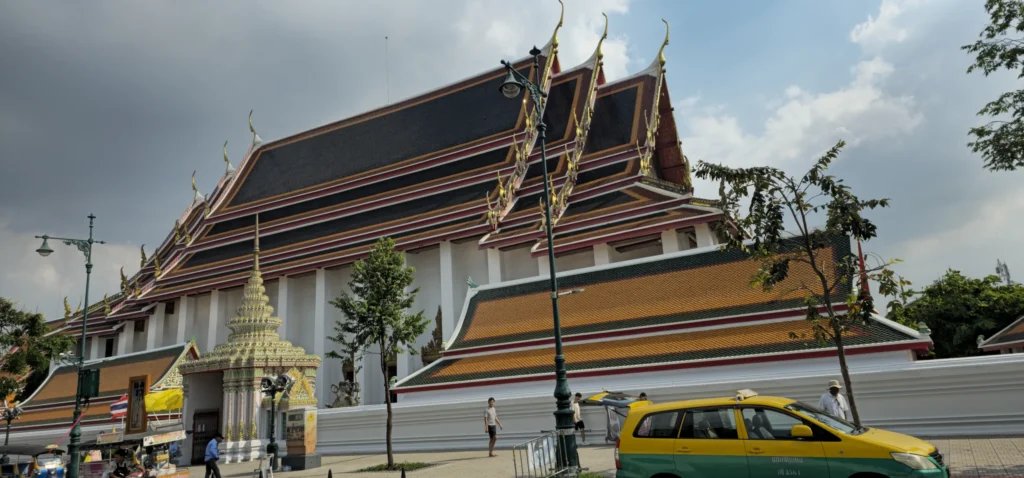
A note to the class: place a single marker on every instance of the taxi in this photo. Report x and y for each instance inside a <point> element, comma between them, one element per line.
<point>756,437</point>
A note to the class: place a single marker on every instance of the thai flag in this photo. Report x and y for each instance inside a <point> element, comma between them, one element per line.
<point>119,409</point>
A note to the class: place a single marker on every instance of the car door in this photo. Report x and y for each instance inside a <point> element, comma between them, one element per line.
<point>652,446</point>
<point>709,445</point>
<point>773,451</point>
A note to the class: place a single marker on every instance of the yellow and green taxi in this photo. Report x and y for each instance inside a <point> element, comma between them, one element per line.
<point>753,436</point>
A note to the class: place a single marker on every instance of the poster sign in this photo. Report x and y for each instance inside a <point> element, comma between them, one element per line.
<point>300,431</point>
<point>163,438</point>
<point>106,438</point>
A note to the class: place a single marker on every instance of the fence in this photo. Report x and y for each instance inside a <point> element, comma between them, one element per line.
<point>539,457</point>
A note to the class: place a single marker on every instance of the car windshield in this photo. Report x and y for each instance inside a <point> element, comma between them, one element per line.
<point>837,424</point>
<point>49,460</point>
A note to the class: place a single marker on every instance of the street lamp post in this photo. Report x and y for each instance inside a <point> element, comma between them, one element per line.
<point>274,385</point>
<point>84,245</point>
<point>514,83</point>
<point>10,414</point>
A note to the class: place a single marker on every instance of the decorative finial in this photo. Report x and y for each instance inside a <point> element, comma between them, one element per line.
<point>124,281</point>
<point>177,231</point>
<point>600,51</point>
<point>471,283</point>
<point>106,305</point>
<point>67,309</point>
<point>142,251</point>
<point>78,310</point>
<point>661,51</point>
<point>561,18</point>
<point>156,265</point>
<point>229,168</point>
<point>197,196</point>
<point>256,246</point>
<point>255,137</point>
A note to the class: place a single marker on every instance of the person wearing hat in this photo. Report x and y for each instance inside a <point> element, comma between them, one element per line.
<point>834,403</point>
<point>212,455</point>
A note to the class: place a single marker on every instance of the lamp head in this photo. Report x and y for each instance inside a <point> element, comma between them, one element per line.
<point>44,250</point>
<point>267,383</point>
<point>511,87</point>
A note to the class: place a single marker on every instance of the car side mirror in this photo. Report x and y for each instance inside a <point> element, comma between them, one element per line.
<point>801,431</point>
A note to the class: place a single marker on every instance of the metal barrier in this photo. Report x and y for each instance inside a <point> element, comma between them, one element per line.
<point>539,457</point>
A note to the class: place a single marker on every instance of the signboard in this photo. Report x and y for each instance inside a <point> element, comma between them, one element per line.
<point>300,431</point>
<point>106,438</point>
<point>163,438</point>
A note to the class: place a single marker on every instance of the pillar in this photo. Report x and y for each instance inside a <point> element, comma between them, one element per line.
<point>602,254</point>
<point>211,326</point>
<point>704,235</point>
<point>493,266</point>
<point>126,340</point>
<point>319,330</point>
<point>183,310</point>
<point>669,241</point>
<point>94,347</point>
<point>282,306</point>
<point>447,291</point>
<point>543,267</point>
<point>156,323</point>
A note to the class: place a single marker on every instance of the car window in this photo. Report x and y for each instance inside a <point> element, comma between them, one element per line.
<point>768,424</point>
<point>712,423</point>
<point>658,425</point>
<point>834,423</point>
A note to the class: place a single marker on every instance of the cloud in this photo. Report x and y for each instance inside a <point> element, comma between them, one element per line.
<point>885,28</point>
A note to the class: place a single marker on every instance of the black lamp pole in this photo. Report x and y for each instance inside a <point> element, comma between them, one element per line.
<point>511,87</point>
<point>85,246</point>
<point>10,414</point>
<point>274,385</point>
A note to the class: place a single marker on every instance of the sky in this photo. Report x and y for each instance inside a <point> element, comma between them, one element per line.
<point>108,107</point>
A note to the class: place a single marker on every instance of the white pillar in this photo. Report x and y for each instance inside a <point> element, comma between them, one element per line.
<point>447,291</point>
<point>602,254</point>
<point>543,267</point>
<point>155,323</point>
<point>669,241</point>
<point>211,326</point>
<point>94,347</point>
<point>704,235</point>
<point>282,306</point>
<point>126,339</point>
<point>493,265</point>
<point>183,311</point>
<point>319,331</point>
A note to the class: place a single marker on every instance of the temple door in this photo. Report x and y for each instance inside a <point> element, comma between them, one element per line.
<point>204,427</point>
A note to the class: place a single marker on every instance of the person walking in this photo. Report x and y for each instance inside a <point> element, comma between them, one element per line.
<point>577,418</point>
<point>834,403</point>
<point>491,424</point>
<point>212,455</point>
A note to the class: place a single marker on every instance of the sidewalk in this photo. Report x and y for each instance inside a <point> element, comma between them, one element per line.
<point>966,457</point>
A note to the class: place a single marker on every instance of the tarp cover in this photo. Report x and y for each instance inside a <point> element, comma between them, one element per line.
<point>165,400</point>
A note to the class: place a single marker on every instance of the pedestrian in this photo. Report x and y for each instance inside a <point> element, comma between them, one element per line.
<point>491,424</point>
<point>212,455</point>
<point>577,419</point>
<point>642,397</point>
<point>834,403</point>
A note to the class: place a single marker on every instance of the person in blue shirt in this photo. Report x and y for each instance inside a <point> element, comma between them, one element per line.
<point>212,455</point>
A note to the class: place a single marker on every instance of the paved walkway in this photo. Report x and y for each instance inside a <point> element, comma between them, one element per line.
<point>967,458</point>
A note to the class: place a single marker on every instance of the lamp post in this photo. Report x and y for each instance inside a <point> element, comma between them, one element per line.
<point>514,83</point>
<point>10,414</point>
<point>84,245</point>
<point>274,385</point>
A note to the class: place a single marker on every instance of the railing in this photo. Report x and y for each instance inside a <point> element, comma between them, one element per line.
<point>539,457</point>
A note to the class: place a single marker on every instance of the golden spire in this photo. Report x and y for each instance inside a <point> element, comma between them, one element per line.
<point>256,247</point>
<point>255,137</point>
<point>661,51</point>
<point>198,197</point>
<point>229,168</point>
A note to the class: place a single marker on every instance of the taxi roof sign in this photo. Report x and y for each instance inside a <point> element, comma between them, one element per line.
<point>745,394</point>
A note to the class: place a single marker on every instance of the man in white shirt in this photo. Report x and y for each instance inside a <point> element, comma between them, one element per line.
<point>834,403</point>
<point>577,418</point>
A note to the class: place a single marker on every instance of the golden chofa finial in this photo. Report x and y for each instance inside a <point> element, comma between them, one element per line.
<point>561,19</point>
<point>198,197</point>
<point>67,309</point>
<point>142,251</point>
<point>600,51</point>
<point>228,169</point>
<point>255,137</point>
<point>661,51</point>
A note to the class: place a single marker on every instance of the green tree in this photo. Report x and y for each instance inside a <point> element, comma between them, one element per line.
<point>1001,140</point>
<point>775,196</point>
<point>958,309</point>
<point>23,336</point>
<point>376,312</point>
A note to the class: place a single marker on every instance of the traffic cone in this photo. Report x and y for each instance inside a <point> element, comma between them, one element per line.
<point>330,473</point>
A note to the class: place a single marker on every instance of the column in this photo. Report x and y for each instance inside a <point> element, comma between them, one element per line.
<point>225,411</point>
<point>94,347</point>
<point>211,326</point>
<point>493,265</point>
<point>319,330</point>
<point>669,241</point>
<point>704,235</point>
<point>282,306</point>
<point>155,323</point>
<point>543,267</point>
<point>447,291</point>
<point>183,310</point>
<point>126,339</point>
<point>602,254</point>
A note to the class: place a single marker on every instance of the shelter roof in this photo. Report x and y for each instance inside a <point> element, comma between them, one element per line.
<point>1011,336</point>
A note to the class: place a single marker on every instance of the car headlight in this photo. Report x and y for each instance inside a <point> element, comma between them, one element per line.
<point>914,462</point>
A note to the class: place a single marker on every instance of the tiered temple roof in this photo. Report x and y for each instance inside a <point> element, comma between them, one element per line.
<point>458,163</point>
<point>684,310</point>
<point>1007,339</point>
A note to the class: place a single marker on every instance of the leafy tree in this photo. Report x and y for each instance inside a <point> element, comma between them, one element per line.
<point>28,348</point>
<point>1001,141</point>
<point>958,309</point>
<point>775,196</point>
<point>376,312</point>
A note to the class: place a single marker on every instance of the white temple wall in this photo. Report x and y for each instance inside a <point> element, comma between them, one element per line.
<point>204,393</point>
<point>138,338</point>
<point>333,373</point>
<point>470,262</point>
<point>301,308</point>
<point>230,300</point>
<point>428,278</point>
<point>169,331</point>
<point>200,326</point>
<point>271,287</point>
<point>372,389</point>
<point>518,264</point>
<point>574,260</point>
<point>926,398</point>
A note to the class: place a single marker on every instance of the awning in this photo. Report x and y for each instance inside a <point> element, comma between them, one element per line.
<point>165,400</point>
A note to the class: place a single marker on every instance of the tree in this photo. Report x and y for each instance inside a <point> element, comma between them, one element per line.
<point>774,196</point>
<point>376,312</point>
<point>23,337</point>
<point>958,309</point>
<point>1001,141</point>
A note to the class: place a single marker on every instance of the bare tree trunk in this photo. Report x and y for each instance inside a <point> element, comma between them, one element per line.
<point>846,375</point>
<point>387,400</point>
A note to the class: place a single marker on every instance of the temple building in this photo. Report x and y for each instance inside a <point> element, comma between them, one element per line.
<point>454,176</point>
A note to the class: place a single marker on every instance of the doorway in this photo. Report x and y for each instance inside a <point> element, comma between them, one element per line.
<point>205,425</point>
